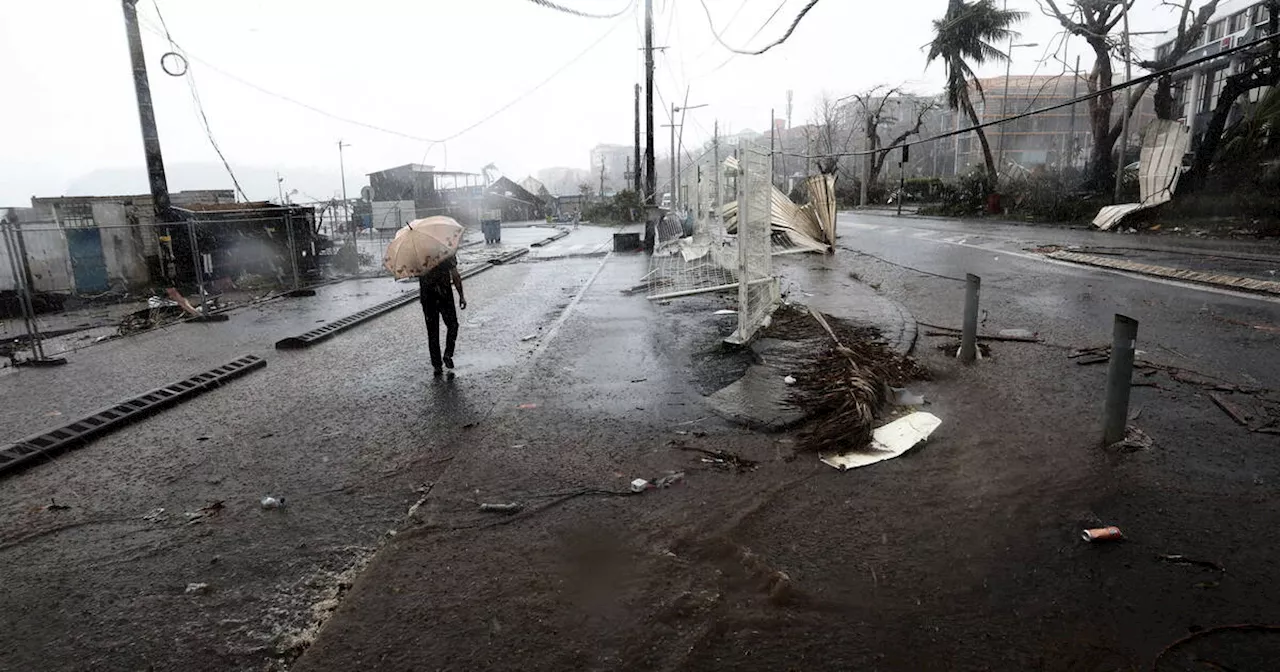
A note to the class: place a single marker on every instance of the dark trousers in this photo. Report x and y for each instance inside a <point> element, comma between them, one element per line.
<point>437,306</point>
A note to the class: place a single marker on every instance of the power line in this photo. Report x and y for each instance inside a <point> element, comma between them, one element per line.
<point>1136,81</point>
<point>199,105</point>
<point>569,10</point>
<point>746,52</point>
<point>753,35</point>
<point>409,136</point>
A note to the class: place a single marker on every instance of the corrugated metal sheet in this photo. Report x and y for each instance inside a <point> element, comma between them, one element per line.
<point>1164,143</point>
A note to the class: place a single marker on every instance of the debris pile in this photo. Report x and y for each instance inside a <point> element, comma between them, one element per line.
<point>846,376</point>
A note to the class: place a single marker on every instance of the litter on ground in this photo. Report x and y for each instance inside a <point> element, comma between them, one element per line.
<point>888,441</point>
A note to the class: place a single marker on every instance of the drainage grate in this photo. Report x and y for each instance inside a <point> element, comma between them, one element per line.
<point>47,444</point>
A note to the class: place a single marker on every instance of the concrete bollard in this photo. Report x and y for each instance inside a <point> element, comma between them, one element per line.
<point>969,332</point>
<point>1124,339</point>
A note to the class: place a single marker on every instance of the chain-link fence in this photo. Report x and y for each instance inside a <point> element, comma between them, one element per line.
<point>695,253</point>
<point>79,270</point>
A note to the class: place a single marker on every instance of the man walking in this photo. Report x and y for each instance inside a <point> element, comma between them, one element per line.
<point>436,294</point>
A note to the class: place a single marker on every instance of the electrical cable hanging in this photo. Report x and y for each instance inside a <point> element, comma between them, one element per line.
<point>408,136</point>
<point>747,52</point>
<point>174,50</point>
<point>569,10</point>
<point>1136,81</point>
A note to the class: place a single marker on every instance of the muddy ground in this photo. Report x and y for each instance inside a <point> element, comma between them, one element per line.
<point>962,555</point>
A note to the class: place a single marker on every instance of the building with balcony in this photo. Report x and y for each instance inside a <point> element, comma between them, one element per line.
<point>1196,89</point>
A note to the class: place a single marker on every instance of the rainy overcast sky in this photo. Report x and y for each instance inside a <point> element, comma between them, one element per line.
<point>429,69</point>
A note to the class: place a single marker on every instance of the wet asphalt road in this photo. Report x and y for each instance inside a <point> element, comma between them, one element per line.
<point>353,431</point>
<point>346,432</point>
<point>1074,305</point>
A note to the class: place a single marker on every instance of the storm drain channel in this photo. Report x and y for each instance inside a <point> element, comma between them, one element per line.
<point>319,334</point>
<point>25,452</point>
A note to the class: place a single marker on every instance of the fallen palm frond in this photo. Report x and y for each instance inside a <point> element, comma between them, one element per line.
<point>842,374</point>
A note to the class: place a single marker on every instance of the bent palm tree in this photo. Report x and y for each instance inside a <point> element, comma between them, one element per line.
<point>962,40</point>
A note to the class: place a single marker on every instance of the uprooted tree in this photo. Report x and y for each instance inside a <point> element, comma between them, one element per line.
<point>1095,21</point>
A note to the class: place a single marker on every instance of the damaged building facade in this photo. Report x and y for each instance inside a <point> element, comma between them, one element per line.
<point>93,245</point>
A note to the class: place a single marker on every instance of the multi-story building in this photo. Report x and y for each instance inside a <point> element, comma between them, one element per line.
<point>1196,89</point>
<point>616,160</point>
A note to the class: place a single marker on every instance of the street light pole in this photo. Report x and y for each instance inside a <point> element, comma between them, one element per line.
<point>675,161</point>
<point>1124,113</point>
<point>1004,99</point>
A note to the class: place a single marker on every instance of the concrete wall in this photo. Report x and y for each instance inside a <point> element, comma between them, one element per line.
<point>123,247</point>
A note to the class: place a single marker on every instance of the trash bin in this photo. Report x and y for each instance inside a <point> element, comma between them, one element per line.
<point>492,231</point>
<point>627,242</point>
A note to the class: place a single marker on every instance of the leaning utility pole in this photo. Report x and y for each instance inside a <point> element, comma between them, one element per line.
<point>602,179</point>
<point>346,205</point>
<point>147,115</point>
<point>636,164</point>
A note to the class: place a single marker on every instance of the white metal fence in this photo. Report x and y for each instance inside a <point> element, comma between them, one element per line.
<point>695,254</point>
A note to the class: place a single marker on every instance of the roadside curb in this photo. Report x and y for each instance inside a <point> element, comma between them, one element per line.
<point>331,329</point>
<point>1199,277</point>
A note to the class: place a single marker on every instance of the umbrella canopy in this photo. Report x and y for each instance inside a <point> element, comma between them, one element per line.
<point>421,245</point>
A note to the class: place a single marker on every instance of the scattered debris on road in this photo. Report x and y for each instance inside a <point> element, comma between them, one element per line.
<point>527,406</point>
<point>1134,440</point>
<point>528,337</point>
<point>725,311</point>
<point>510,507</point>
<point>197,589</point>
<point>208,511</point>
<point>154,516</point>
<point>1230,409</point>
<point>1095,534</point>
<point>270,502</point>
<point>789,380</point>
<point>901,396</point>
<point>640,485</point>
<point>888,442</point>
<point>720,458</point>
<point>1184,560</point>
<point>55,506</point>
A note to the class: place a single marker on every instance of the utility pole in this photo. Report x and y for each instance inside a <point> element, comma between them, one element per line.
<point>649,181</point>
<point>1128,93</point>
<point>602,179</point>
<point>1075,84</point>
<point>346,207</point>
<point>676,148</point>
<point>147,116</point>
<point>866,158</point>
<point>636,178</point>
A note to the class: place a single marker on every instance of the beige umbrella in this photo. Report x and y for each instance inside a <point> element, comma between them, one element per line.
<point>421,245</point>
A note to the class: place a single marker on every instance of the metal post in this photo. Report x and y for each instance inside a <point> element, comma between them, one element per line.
<point>1075,86</point>
<point>675,192</point>
<point>1128,93</point>
<point>719,172</point>
<point>197,265</point>
<point>23,271</point>
<point>346,205</point>
<point>19,282</point>
<point>650,179</point>
<point>293,250</point>
<point>902,180</point>
<point>773,166</point>
<point>969,333</point>
<point>866,159</point>
<point>1124,338</point>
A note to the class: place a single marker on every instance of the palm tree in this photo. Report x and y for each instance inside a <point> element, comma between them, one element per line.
<point>962,40</point>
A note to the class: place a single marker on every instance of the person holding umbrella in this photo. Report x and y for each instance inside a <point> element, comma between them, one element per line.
<point>427,248</point>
